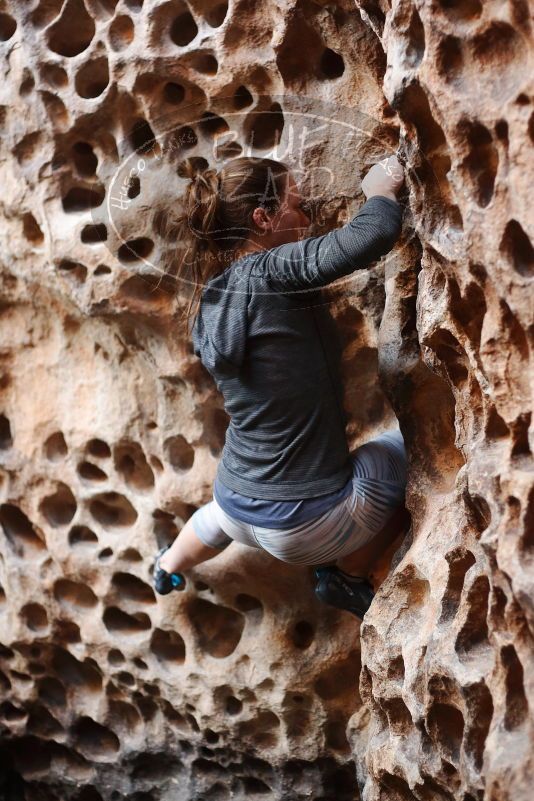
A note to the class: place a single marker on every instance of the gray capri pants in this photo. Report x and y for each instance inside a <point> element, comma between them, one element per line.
<point>378,486</point>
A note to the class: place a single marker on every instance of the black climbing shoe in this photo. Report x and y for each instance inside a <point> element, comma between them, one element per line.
<point>164,582</point>
<point>339,589</point>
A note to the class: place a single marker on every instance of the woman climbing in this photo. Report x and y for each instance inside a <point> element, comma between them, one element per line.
<point>286,481</point>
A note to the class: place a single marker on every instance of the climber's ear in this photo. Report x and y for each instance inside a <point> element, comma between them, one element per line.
<point>262,220</point>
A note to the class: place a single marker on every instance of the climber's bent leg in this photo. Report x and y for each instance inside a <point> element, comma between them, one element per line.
<point>200,539</point>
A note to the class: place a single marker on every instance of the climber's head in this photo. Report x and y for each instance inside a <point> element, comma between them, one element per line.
<point>251,204</point>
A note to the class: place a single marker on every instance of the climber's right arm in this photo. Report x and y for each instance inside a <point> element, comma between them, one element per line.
<point>319,260</point>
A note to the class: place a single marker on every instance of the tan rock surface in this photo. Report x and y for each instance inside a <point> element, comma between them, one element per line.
<point>111,429</point>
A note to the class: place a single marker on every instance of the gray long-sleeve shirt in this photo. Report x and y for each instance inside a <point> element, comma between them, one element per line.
<point>273,349</point>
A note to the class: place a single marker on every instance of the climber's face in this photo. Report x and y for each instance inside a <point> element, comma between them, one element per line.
<point>289,223</point>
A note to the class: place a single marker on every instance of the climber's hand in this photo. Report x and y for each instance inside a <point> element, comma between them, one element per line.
<point>384,178</point>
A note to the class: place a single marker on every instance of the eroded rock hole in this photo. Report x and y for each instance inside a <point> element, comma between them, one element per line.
<point>91,472</point>
<point>459,560</point>
<point>142,138</point>
<point>331,64</point>
<point>60,507</point>
<point>95,741</point>
<point>94,234</point>
<point>20,532</point>
<point>179,453</point>
<point>132,588</point>
<point>517,248</point>
<point>131,463</point>
<point>74,595</point>
<point>218,628</point>
<point>35,617</point>
<point>73,32</point>
<point>98,448</point>
<point>92,78</point>
<point>73,673</point>
<point>121,32</point>
<point>517,707</point>
<point>445,724</point>
<point>31,229</point>
<point>119,622</point>
<point>302,634</point>
<point>83,198</point>
<point>81,536</point>
<point>135,250</point>
<point>183,29</point>
<point>6,440</point>
<point>111,509</point>
<point>168,647</point>
<point>8,26</point>
<point>264,129</point>
<point>474,632</point>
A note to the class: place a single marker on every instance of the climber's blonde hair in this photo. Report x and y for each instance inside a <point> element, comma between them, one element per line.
<point>216,216</point>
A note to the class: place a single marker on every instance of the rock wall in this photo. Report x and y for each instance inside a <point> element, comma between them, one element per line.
<point>111,429</point>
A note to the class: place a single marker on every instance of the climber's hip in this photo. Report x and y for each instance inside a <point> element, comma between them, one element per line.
<point>378,485</point>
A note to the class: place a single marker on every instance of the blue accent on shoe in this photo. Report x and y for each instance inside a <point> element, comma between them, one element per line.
<point>164,582</point>
<point>337,588</point>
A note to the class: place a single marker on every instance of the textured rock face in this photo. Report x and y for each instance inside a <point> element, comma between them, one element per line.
<point>111,429</point>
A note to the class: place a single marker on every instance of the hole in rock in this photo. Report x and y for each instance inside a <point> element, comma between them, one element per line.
<point>35,617</point>
<point>516,701</point>
<point>253,786</point>
<point>8,26</point>
<point>124,714</point>
<point>179,453</point>
<point>331,65</point>
<point>144,289</point>
<point>102,269</point>
<point>42,723</point>
<point>73,673</point>
<point>212,125</point>
<point>186,138</point>
<point>302,634</point>
<point>81,198</point>
<point>264,129</point>
<point>121,32</point>
<point>478,513</point>
<point>130,555</point>
<point>218,628</point>
<point>115,657</point>
<point>474,632</point>
<point>31,229</point>
<point>60,507</point>
<point>105,554</point>
<point>91,472</point>
<point>132,588</point>
<point>247,603</point>
<point>115,620</point>
<point>93,77</point>
<point>55,447</point>
<point>95,741</point>
<point>480,706</point>
<point>459,560</point>
<point>517,248</point>
<point>460,10</point>
<point>445,724</point>
<point>98,448</point>
<point>142,138</point>
<point>165,529</point>
<point>6,440</point>
<point>242,97</point>
<point>125,678</point>
<point>11,713</point>
<point>216,15</point>
<point>135,250</point>
<point>84,159</point>
<point>173,93</point>
<point>398,715</point>
<point>73,32</point>
<point>82,535</point>
<point>335,736</point>
<point>93,234</point>
<point>112,509</point>
<point>415,34</point>
<point>51,691</point>
<point>204,63</point>
<point>450,58</point>
<point>73,269</point>
<point>183,29</point>
<point>19,531</point>
<point>73,594</point>
<point>131,463</point>
<point>482,161</point>
<point>167,646</point>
